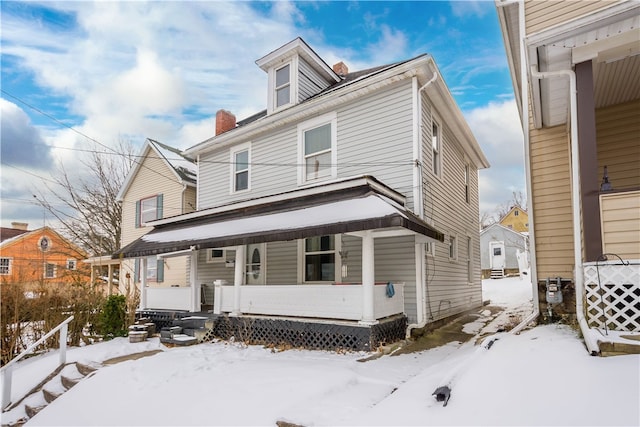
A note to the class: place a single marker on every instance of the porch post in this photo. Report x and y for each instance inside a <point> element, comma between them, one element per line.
<point>589,176</point>
<point>110,277</point>
<point>368,279</point>
<point>143,283</point>
<point>193,278</point>
<point>238,279</point>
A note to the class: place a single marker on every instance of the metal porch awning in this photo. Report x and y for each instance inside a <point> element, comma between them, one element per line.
<point>350,211</point>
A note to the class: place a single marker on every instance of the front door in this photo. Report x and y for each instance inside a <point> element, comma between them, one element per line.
<point>497,254</point>
<point>256,264</point>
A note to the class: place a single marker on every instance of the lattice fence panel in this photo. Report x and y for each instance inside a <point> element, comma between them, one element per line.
<point>613,300</point>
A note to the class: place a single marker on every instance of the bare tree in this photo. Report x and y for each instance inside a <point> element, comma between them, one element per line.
<point>487,218</point>
<point>86,207</point>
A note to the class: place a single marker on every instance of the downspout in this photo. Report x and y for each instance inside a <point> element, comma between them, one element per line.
<point>591,343</point>
<point>421,290</point>
<point>524,99</point>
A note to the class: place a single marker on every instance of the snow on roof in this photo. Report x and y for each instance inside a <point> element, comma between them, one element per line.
<point>185,167</point>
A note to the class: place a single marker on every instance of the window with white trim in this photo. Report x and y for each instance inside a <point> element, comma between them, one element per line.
<point>5,266</point>
<point>319,259</point>
<point>282,86</point>
<point>469,260</point>
<point>72,264</point>
<point>152,268</point>
<point>216,255</point>
<point>467,171</point>
<point>148,209</point>
<point>240,168</point>
<point>436,147</point>
<point>430,249</point>
<point>318,155</point>
<point>49,270</point>
<point>453,248</point>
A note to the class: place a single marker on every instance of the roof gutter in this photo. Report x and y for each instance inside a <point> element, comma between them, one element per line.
<point>592,344</point>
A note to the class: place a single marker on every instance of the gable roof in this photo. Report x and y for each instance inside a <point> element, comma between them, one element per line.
<point>502,227</point>
<point>354,85</point>
<point>18,238</point>
<point>183,167</point>
<point>520,208</point>
<point>7,233</point>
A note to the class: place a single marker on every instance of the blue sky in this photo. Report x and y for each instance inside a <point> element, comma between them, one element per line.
<point>131,70</point>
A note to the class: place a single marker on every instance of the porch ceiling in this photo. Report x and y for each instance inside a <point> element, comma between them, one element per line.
<point>344,211</point>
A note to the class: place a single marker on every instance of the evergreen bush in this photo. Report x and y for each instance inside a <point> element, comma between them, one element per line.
<point>112,319</point>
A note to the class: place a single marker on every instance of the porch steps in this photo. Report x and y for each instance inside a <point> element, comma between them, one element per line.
<point>52,387</point>
<point>497,273</point>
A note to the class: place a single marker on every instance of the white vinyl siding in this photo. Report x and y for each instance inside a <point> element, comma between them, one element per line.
<point>541,15</point>
<point>309,81</point>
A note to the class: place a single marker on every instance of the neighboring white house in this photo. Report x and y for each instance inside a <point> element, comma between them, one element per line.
<point>499,247</point>
<point>344,215</point>
<point>161,184</point>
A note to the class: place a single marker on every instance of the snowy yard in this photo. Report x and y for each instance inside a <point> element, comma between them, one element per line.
<point>543,376</point>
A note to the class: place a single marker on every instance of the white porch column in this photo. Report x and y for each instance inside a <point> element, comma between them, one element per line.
<point>238,279</point>
<point>110,278</point>
<point>143,283</point>
<point>368,279</point>
<point>193,278</point>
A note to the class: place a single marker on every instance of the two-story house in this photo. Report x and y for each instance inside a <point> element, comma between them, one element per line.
<point>161,183</point>
<point>575,68</point>
<point>343,215</point>
<point>39,256</point>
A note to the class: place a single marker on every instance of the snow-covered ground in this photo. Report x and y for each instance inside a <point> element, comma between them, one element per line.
<point>544,376</point>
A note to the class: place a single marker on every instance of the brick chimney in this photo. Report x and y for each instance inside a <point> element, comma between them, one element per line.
<point>225,121</point>
<point>341,69</point>
<point>20,225</point>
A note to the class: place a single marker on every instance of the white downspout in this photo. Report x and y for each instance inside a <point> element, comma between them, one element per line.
<point>421,280</point>
<point>592,344</point>
<point>524,100</point>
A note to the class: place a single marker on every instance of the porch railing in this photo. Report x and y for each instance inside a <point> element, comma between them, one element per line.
<point>177,298</point>
<point>612,294</point>
<point>7,370</point>
<point>343,302</point>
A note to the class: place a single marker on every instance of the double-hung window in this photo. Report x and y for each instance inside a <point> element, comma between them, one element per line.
<point>49,270</point>
<point>72,264</point>
<point>148,209</point>
<point>283,86</point>
<point>5,266</point>
<point>318,148</point>
<point>436,145</point>
<point>320,259</point>
<point>240,168</point>
<point>453,248</point>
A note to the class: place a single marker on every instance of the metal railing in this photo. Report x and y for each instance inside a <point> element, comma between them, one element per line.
<point>7,370</point>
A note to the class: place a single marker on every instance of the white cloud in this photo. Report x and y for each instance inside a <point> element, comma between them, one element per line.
<point>470,8</point>
<point>498,131</point>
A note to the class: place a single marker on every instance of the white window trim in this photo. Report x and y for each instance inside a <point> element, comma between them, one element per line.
<point>331,118</point>
<point>456,247</point>
<point>142,210</point>
<point>232,167</point>
<point>55,270</point>
<point>213,260</point>
<point>151,262</point>
<point>435,119</point>
<point>430,249</point>
<point>293,85</point>
<point>470,259</point>
<point>9,265</point>
<point>337,276</point>
<point>75,264</point>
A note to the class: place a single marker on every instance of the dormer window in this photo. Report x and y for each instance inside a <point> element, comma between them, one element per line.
<point>283,86</point>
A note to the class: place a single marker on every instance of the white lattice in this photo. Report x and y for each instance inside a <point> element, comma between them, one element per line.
<point>615,298</point>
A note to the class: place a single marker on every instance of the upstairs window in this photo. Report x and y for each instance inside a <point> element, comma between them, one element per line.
<point>148,209</point>
<point>318,153</point>
<point>436,146</point>
<point>283,86</point>
<point>5,266</point>
<point>240,160</point>
<point>453,248</point>
<point>515,212</point>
